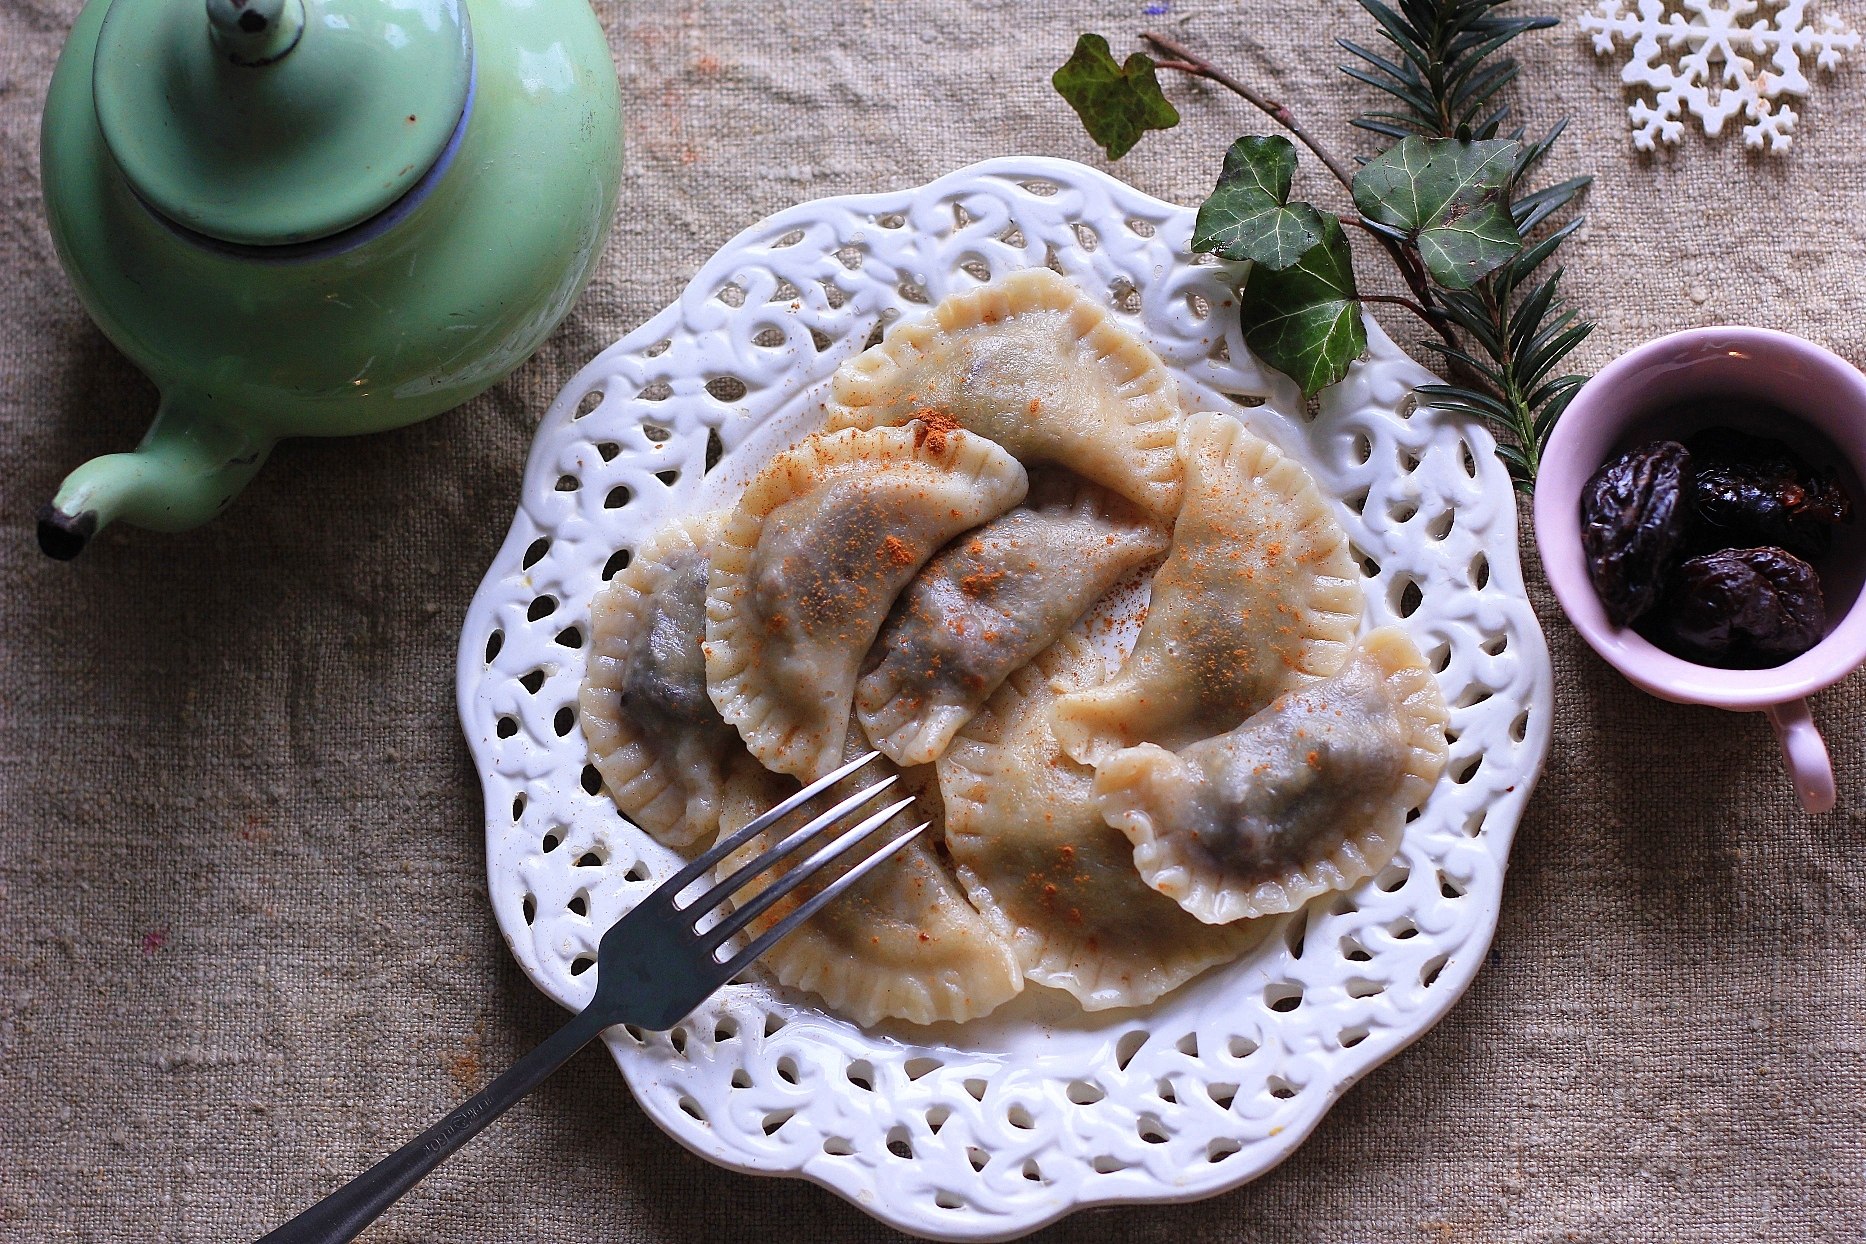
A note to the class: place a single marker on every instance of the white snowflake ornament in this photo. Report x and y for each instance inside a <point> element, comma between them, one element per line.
<point>1721,60</point>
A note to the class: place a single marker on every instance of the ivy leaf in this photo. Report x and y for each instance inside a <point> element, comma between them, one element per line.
<point>1450,198</point>
<point>1305,320</point>
<point>1117,102</point>
<point>1249,215</point>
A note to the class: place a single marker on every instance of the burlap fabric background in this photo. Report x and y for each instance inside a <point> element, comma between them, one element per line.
<point>244,944</point>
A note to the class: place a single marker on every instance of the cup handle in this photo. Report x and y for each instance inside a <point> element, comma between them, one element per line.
<point>1804,754</point>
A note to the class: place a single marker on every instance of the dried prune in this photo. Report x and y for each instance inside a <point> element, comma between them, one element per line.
<point>1752,490</point>
<point>1743,608</point>
<point>1634,515</point>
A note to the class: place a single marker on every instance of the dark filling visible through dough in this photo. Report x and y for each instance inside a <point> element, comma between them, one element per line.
<point>1288,788</point>
<point>666,675</point>
<point>828,565</point>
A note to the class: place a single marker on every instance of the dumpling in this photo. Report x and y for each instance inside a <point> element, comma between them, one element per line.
<point>1309,795</point>
<point>903,943</point>
<point>988,603</point>
<point>1035,855</point>
<point>805,570</point>
<point>1258,595</point>
<point>1032,364</point>
<point>653,733</point>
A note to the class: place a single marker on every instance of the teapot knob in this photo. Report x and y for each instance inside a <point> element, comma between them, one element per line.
<point>255,32</point>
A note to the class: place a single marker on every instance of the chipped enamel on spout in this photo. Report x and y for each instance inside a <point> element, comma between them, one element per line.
<point>316,218</point>
<point>187,469</point>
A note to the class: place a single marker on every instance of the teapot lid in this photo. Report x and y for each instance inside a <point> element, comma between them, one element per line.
<point>271,122</point>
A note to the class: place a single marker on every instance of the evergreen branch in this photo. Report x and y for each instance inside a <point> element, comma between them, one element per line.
<point>1447,65</point>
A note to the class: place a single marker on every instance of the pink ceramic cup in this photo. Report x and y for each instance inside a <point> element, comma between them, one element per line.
<point>1672,387</point>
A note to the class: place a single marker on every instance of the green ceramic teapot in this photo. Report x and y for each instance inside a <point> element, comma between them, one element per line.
<point>316,218</point>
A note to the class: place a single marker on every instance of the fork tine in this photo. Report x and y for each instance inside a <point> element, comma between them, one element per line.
<point>731,885</point>
<point>704,864</point>
<point>829,894</point>
<point>742,916</point>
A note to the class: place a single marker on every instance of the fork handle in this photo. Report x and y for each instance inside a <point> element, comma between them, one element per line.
<point>343,1214</point>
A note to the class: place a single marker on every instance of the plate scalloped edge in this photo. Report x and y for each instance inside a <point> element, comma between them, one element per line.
<point>988,1130</point>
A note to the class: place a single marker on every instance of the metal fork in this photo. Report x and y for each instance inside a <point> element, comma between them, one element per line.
<point>653,968</point>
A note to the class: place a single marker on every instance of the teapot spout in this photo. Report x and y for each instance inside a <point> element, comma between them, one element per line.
<point>187,469</point>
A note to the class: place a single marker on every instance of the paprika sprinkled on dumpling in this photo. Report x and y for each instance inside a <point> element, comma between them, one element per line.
<point>1258,595</point>
<point>1052,876</point>
<point>988,603</point>
<point>1032,364</point>
<point>807,566</point>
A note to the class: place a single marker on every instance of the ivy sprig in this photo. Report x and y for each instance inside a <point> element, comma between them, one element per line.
<point>1448,201</point>
<point>1249,215</point>
<point>1444,72</point>
<point>1118,102</point>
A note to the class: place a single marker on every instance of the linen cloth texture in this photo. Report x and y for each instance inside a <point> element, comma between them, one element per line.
<point>244,942</point>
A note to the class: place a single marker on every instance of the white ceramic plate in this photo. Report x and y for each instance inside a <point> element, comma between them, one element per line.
<point>990,1129</point>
